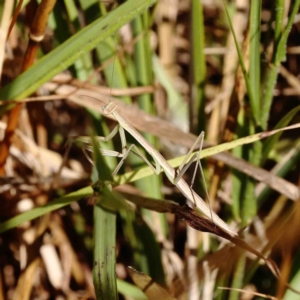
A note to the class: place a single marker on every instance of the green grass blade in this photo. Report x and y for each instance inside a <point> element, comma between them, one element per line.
<point>130,290</point>
<point>267,89</point>
<point>280,54</point>
<point>272,140</point>
<point>104,270</point>
<point>289,165</point>
<point>58,20</point>
<point>114,73</point>
<point>107,199</point>
<point>244,205</point>
<point>238,277</point>
<point>150,249</point>
<point>176,105</point>
<point>66,54</point>
<point>84,65</point>
<point>42,210</point>
<point>254,106</point>
<point>278,10</point>
<point>254,63</point>
<point>198,65</point>
<point>238,179</point>
<point>279,14</point>
<point>295,281</point>
<point>104,173</point>
<point>104,267</point>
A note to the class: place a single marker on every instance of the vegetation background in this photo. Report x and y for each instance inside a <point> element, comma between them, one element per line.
<point>177,68</point>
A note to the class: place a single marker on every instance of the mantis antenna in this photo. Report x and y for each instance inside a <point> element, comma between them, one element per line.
<point>160,162</point>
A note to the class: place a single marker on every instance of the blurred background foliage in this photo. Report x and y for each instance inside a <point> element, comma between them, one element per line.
<point>177,68</point>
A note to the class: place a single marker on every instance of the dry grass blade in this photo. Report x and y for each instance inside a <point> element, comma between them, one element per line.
<point>206,225</point>
<point>4,29</point>
<point>36,35</point>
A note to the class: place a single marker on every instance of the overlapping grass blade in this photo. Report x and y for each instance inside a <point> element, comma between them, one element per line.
<point>67,53</point>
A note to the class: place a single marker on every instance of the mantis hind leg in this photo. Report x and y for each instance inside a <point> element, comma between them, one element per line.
<point>189,160</point>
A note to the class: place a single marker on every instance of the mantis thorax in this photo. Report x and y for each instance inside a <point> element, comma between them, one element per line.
<point>109,108</point>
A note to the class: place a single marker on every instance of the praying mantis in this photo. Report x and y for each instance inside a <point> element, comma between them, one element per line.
<point>174,176</point>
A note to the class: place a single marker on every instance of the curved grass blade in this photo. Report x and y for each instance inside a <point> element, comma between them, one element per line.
<point>42,210</point>
<point>291,161</point>
<point>271,141</point>
<point>144,172</point>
